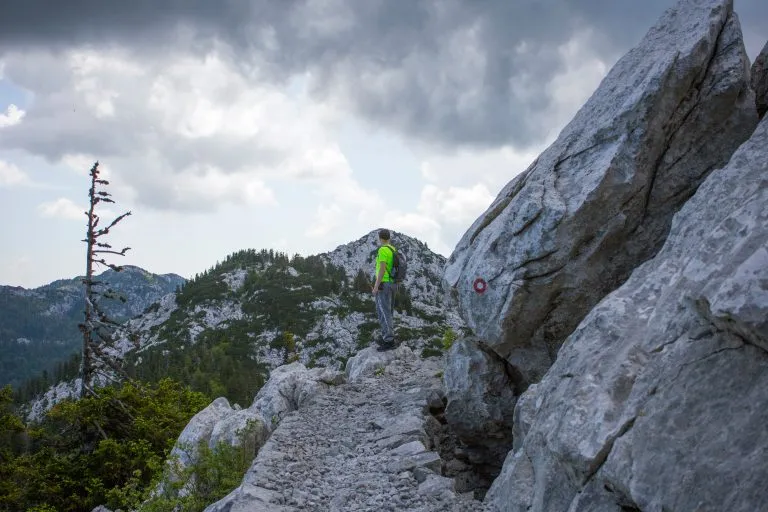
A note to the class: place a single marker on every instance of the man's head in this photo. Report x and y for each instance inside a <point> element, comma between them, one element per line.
<point>384,235</point>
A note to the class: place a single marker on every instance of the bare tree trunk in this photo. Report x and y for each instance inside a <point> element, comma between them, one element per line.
<point>85,369</point>
<point>97,328</point>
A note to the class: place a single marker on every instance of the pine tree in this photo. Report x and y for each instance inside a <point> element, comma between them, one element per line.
<point>97,327</point>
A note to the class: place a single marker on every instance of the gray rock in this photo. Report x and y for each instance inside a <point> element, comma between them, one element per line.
<point>435,485</point>
<point>241,423</point>
<point>422,473</point>
<point>599,201</point>
<point>331,454</point>
<point>199,429</point>
<point>288,387</point>
<point>366,362</point>
<point>436,400</point>
<point>412,448</point>
<point>525,410</point>
<point>429,460</point>
<point>658,398</point>
<point>332,377</point>
<point>760,81</point>
<point>481,401</point>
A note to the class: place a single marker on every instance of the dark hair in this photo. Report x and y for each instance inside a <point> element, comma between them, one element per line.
<point>384,234</point>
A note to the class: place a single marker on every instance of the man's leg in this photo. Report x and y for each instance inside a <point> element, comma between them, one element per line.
<point>384,303</point>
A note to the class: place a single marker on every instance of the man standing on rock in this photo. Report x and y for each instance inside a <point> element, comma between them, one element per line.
<point>384,291</point>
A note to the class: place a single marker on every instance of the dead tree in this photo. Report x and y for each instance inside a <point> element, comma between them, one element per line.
<point>98,357</point>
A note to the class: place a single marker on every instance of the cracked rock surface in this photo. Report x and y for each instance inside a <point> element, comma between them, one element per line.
<point>760,81</point>
<point>361,446</point>
<point>658,400</point>
<point>599,201</point>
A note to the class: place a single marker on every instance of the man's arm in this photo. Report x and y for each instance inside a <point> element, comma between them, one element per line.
<point>380,276</point>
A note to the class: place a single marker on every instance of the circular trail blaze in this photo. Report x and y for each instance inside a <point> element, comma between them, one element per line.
<point>480,285</point>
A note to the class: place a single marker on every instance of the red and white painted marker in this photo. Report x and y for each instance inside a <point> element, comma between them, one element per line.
<point>480,285</point>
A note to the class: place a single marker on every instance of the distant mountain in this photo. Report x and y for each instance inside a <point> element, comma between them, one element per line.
<point>38,327</point>
<point>258,309</point>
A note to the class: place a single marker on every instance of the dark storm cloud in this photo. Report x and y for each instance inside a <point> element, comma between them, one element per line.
<point>453,72</point>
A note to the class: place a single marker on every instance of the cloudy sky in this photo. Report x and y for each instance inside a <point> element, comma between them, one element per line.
<point>297,125</point>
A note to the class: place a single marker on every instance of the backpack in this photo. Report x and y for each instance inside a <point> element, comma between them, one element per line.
<point>399,265</point>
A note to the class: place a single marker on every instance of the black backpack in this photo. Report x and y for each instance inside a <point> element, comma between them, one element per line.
<point>399,265</point>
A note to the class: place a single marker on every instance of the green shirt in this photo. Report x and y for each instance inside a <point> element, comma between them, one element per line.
<point>386,254</point>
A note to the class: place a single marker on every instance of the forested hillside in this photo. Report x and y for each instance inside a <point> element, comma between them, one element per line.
<point>38,327</point>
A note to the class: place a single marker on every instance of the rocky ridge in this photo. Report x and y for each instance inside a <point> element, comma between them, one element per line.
<point>343,323</point>
<point>370,438</point>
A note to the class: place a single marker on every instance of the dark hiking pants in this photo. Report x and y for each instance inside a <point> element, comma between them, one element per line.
<point>385,306</point>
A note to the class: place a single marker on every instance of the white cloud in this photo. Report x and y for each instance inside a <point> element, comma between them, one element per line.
<point>442,214</point>
<point>575,82</point>
<point>13,115</point>
<point>325,219</point>
<point>11,175</point>
<point>182,132</point>
<point>62,208</point>
<point>494,168</point>
<point>458,206</point>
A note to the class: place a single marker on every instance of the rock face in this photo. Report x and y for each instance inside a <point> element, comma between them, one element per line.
<point>760,81</point>
<point>658,400</point>
<point>599,201</point>
<point>481,392</point>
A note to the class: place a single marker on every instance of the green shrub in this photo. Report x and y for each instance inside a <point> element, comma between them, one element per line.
<point>449,336</point>
<point>214,474</point>
<point>105,449</point>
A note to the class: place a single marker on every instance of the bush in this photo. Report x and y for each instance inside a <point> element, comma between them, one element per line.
<point>105,449</point>
<point>215,473</point>
<point>449,336</point>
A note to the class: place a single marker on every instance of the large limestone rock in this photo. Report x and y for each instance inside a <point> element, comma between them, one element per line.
<point>599,201</point>
<point>760,81</point>
<point>368,361</point>
<point>481,392</point>
<point>288,388</point>
<point>658,401</point>
<point>200,428</point>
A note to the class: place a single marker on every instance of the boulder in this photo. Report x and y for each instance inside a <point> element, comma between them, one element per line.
<point>434,485</point>
<point>760,81</point>
<point>199,429</point>
<point>242,426</point>
<point>366,362</point>
<point>289,386</point>
<point>481,391</point>
<point>599,201</point>
<point>658,400</point>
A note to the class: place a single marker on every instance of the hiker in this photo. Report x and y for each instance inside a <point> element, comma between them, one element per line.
<point>384,291</point>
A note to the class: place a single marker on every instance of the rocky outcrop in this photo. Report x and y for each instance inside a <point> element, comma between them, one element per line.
<point>364,445</point>
<point>760,81</point>
<point>199,429</point>
<point>287,389</point>
<point>481,393</point>
<point>599,201</point>
<point>369,361</point>
<point>658,400</point>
